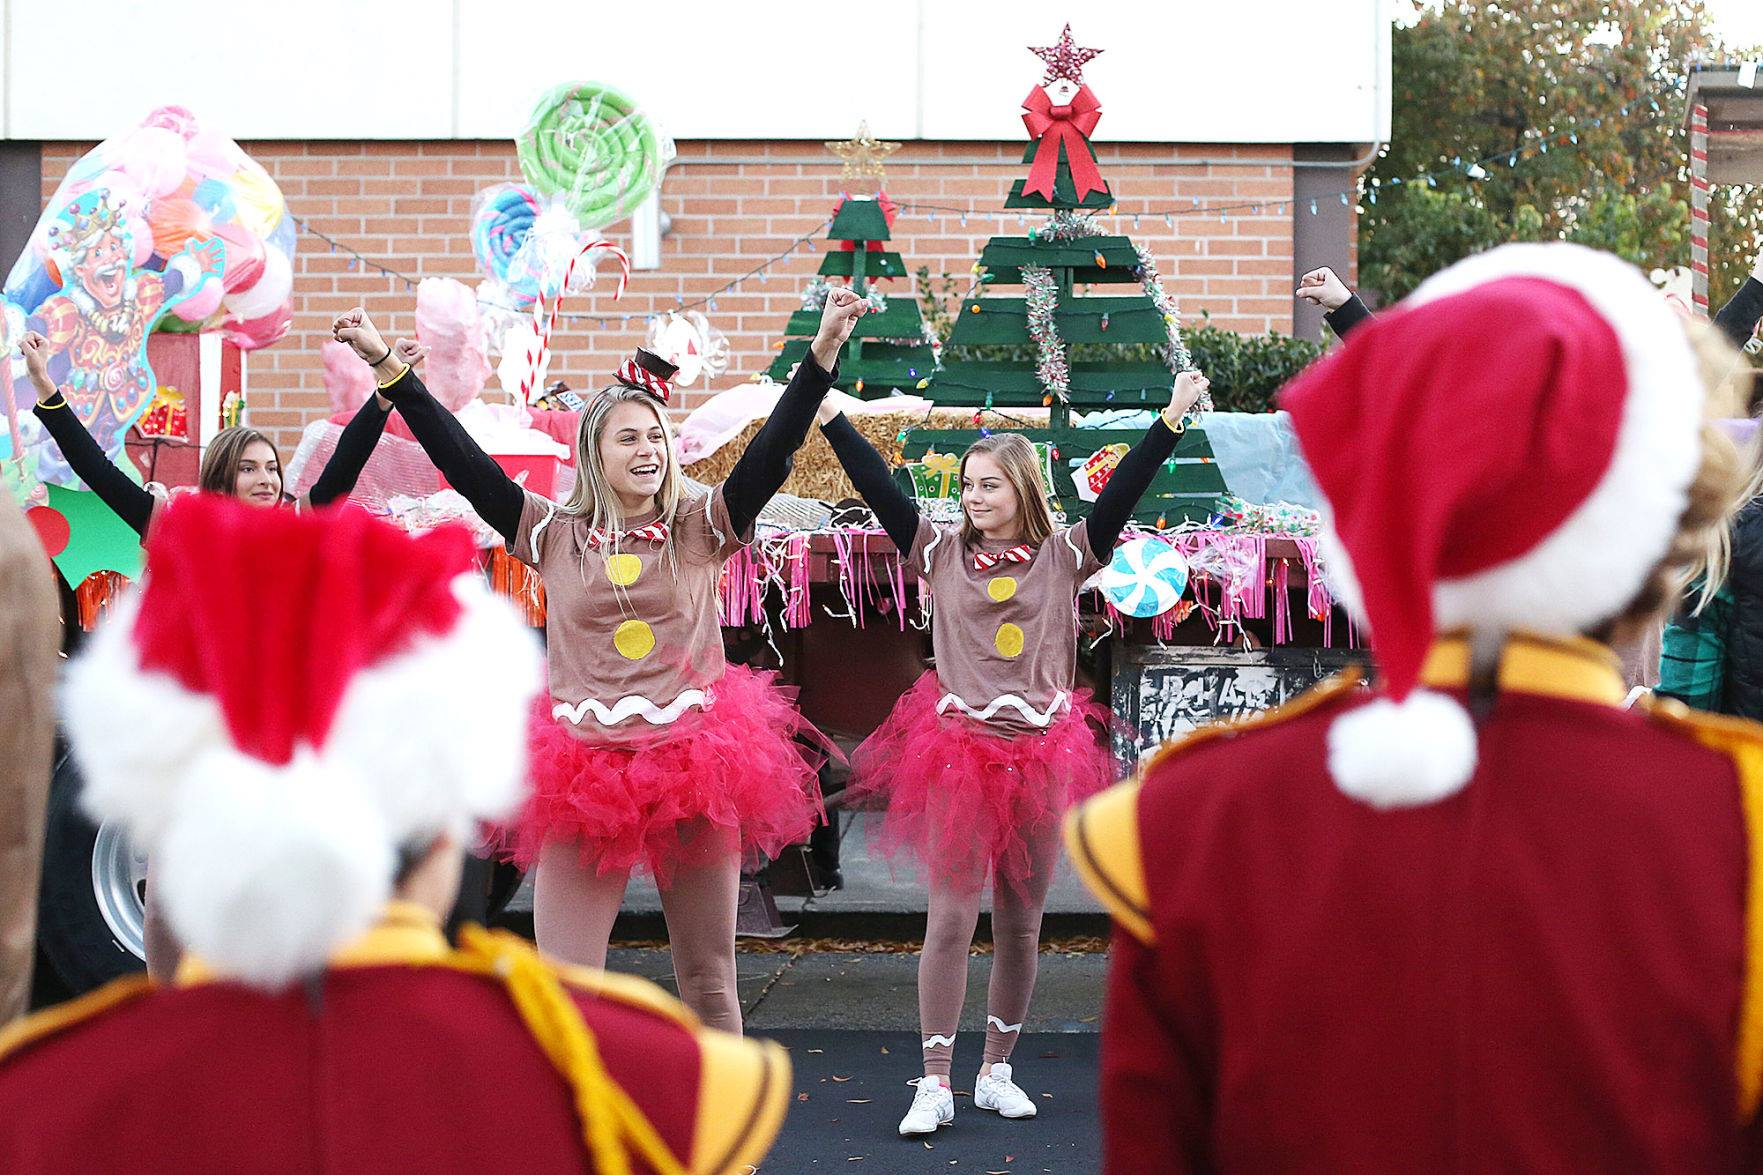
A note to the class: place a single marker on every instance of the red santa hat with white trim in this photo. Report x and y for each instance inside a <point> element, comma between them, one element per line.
<point>288,702</point>
<point>1509,449</point>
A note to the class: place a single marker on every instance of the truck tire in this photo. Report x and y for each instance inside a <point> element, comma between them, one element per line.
<point>90,908</point>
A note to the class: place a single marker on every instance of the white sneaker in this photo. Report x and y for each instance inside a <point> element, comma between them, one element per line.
<point>995,1091</point>
<point>932,1106</point>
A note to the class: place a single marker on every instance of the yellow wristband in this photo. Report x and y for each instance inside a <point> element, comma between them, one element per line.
<point>402,372</point>
<point>1177,426</point>
<point>51,402</point>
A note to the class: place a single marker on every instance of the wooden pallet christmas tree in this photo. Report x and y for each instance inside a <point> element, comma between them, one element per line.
<point>890,350</point>
<point>1093,329</point>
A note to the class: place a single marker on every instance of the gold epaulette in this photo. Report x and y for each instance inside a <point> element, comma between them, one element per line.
<point>1102,836</point>
<point>627,990</point>
<point>1331,689</point>
<point>61,1017</point>
<point>744,1085</point>
<point>1742,742</point>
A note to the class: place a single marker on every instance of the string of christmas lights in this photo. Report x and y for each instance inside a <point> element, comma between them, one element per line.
<point>1567,139</point>
<point>360,260</point>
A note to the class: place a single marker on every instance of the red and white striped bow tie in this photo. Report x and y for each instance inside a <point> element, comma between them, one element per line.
<point>655,532</point>
<point>985,560</point>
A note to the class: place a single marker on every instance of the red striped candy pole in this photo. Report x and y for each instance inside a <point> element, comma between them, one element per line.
<point>545,322</point>
<point>1699,207</point>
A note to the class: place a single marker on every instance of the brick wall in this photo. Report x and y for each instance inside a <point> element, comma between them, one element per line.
<point>733,204</point>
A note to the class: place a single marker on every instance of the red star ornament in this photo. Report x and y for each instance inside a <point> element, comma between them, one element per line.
<point>1065,59</point>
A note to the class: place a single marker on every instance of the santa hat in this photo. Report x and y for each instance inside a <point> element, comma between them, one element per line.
<point>288,702</point>
<point>1510,448</point>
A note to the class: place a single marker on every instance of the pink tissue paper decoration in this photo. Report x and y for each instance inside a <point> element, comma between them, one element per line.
<point>449,325</point>
<point>347,380</point>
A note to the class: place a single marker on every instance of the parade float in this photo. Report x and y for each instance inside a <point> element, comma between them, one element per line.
<point>1215,604</point>
<point>166,255</point>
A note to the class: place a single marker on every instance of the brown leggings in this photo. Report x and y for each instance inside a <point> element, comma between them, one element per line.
<point>1016,939</point>
<point>574,907</point>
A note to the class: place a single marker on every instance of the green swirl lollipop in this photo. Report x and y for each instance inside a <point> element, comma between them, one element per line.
<point>596,148</point>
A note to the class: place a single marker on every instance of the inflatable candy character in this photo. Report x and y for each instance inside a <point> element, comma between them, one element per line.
<point>99,321</point>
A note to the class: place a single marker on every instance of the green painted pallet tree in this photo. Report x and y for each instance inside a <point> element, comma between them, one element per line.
<point>1104,335</point>
<point>889,350</point>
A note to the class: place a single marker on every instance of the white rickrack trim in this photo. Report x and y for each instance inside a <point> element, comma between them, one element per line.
<point>933,1040</point>
<point>1066,535</point>
<point>994,1022</point>
<point>710,521</point>
<point>532,539</point>
<point>937,531</point>
<point>634,704</point>
<point>1061,701</point>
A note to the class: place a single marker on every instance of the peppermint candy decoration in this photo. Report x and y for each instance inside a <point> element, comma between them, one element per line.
<point>1146,577</point>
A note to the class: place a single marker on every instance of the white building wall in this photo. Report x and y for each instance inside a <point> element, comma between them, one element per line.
<point>1255,71</point>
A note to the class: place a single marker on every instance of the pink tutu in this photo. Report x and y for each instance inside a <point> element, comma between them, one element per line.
<point>961,798</point>
<point>737,765</point>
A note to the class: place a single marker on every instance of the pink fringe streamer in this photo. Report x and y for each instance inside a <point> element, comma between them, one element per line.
<point>1231,583</point>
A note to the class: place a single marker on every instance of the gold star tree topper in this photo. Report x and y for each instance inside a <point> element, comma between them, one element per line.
<point>1066,59</point>
<point>863,155</point>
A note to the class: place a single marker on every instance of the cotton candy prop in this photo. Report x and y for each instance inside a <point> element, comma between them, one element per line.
<point>1146,577</point>
<point>448,324</point>
<point>348,380</point>
<point>174,185</point>
<point>690,343</point>
<point>518,365</point>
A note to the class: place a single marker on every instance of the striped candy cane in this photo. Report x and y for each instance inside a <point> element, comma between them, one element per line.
<point>1699,208</point>
<point>544,322</point>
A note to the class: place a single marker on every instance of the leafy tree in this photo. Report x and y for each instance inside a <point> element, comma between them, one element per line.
<point>1587,97</point>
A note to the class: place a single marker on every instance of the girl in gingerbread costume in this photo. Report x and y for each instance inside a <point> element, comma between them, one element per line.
<point>651,751</point>
<point>979,759</point>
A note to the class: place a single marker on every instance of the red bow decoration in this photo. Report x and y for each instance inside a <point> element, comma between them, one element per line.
<point>889,211</point>
<point>1068,126</point>
<point>985,560</point>
<point>655,532</point>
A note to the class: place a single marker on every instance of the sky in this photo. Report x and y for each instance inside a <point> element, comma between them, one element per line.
<point>1740,21</point>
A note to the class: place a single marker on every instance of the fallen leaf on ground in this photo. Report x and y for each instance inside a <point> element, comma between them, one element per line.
<point>858,1101</point>
<point>836,1077</point>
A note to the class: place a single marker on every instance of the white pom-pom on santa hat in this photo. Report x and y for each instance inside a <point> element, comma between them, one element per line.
<point>1511,448</point>
<point>1393,754</point>
<point>287,703</point>
<point>265,870</point>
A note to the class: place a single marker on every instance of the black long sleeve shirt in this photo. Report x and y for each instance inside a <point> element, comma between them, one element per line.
<point>898,514</point>
<point>758,474</point>
<point>1738,319</point>
<point>134,505</point>
<point>1349,314</point>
